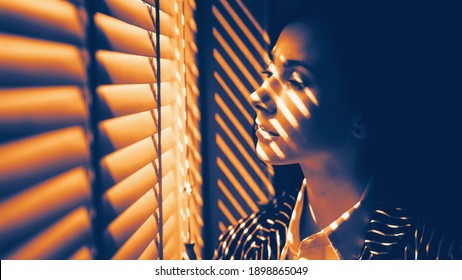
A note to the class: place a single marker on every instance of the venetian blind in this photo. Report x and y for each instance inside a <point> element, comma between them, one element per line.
<point>193,197</point>
<point>44,166</point>
<point>137,223</point>
<point>128,152</point>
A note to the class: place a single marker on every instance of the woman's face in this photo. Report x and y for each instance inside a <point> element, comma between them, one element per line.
<point>301,106</point>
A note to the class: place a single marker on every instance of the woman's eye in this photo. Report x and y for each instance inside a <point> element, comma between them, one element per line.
<point>296,82</point>
<point>297,85</point>
<point>267,73</point>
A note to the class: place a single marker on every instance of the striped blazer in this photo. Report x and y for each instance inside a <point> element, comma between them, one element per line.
<point>392,234</point>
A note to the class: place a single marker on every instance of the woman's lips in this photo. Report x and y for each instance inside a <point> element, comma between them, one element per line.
<point>268,131</point>
<point>264,132</point>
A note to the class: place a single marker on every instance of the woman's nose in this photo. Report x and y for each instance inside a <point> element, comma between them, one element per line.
<point>263,98</point>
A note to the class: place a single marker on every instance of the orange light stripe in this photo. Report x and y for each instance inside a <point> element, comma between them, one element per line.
<point>195,132</point>
<point>193,110</point>
<point>236,81</point>
<point>192,92</point>
<point>196,155</point>
<point>236,59</point>
<point>193,89</point>
<point>198,199</point>
<point>192,4</point>
<point>279,129</point>
<point>83,253</point>
<point>74,227</point>
<point>193,46</point>
<point>233,98</point>
<point>298,102</point>
<point>226,211</point>
<point>196,210</point>
<point>286,112</point>
<point>243,151</point>
<point>311,96</point>
<point>240,168</point>
<point>231,198</point>
<point>193,70</point>
<point>237,40</point>
<point>244,133</point>
<point>235,183</point>
<point>277,150</point>
<point>254,22</point>
<point>243,27</point>
<point>269,88</point>
<point>197,178</point>
<point>222,226</point>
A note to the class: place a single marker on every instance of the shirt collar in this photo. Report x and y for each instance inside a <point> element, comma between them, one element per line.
<point>345,236</point>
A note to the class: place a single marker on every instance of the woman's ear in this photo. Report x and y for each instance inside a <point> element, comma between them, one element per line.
<point>359,129</point>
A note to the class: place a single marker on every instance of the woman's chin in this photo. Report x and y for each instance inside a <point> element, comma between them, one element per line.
<point>267,155</point>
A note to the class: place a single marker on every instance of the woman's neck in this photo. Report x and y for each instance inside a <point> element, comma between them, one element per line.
<point>335,182</point>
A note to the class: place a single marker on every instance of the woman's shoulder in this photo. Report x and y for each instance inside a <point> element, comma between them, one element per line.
<point>251,236</point>
<point>396,233</point>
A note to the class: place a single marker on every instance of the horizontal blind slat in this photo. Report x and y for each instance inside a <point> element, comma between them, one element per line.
<point>50,20</point>
<point>121,100</point>
<point>122,195</point>
<point>84,253</point>
<point>167,6</point>
<point>26,111</point>
<point>117,35</point>
<point>119,197</point>
<point>41,205</point>
<point>120,132</point>
<point>124,162</point>
<point>127,223</point>
<point>32,160</point>
<point>172,239</point>
<point>151,252</point>
<point>170,203</point>
<point>44,178</point>
<point>171,222</point>
<point>138,242</point>
<point>139,14</point>
<point>58,241</point>
<point>31,62</point>
<point>168,141</point>
<point>121,68</point>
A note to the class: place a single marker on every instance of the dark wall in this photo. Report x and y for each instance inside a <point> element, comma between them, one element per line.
<point>231,45</point>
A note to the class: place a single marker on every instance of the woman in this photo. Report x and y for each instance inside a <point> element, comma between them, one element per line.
<point>340,99</point>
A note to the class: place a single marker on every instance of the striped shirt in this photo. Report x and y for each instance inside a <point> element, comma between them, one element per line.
<point>392,234</point>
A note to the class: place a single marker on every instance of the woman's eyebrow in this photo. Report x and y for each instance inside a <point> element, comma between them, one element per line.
<point>292,62</point>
